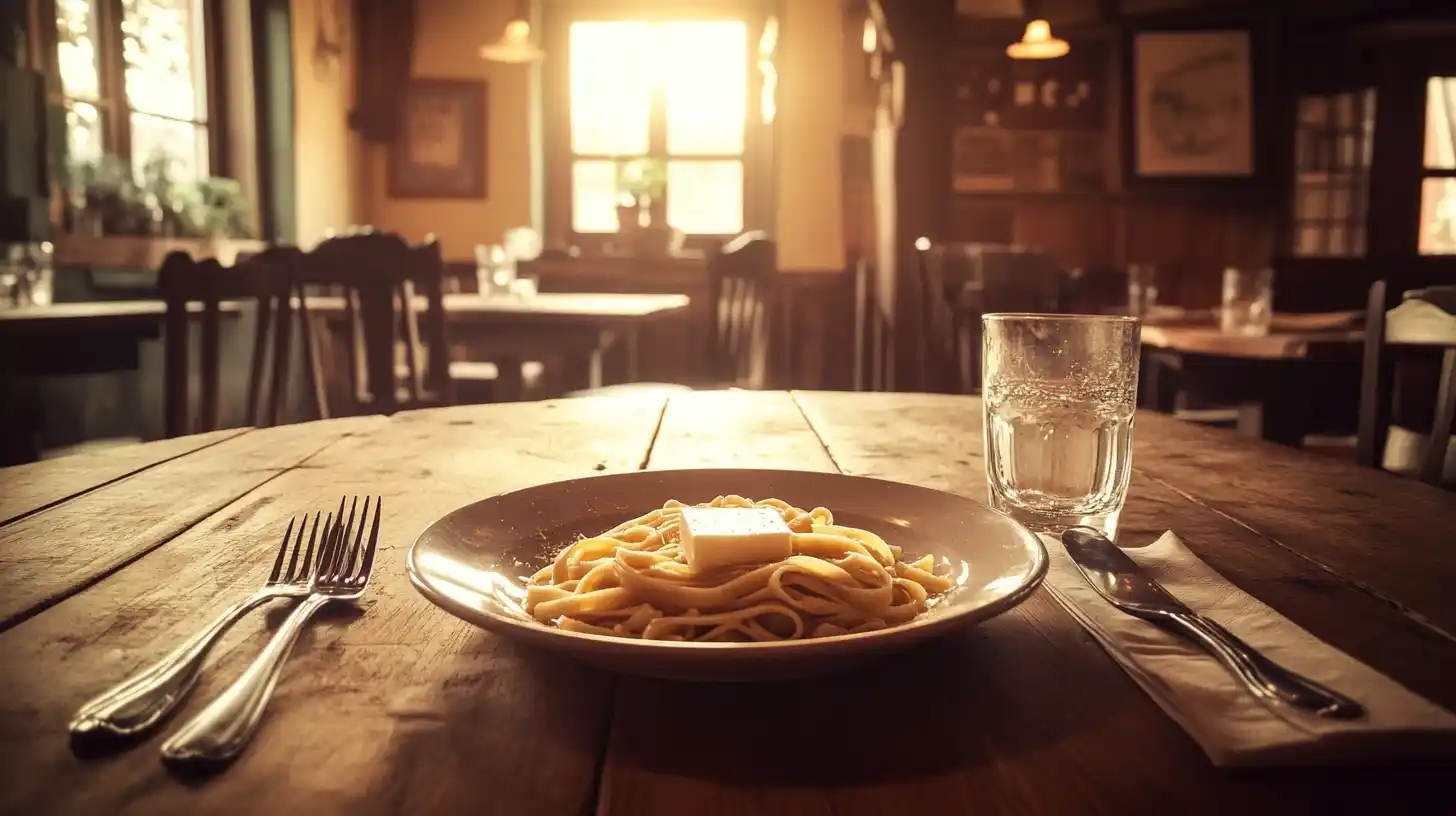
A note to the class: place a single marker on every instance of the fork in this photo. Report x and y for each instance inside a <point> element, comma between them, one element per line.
<point>221,731</point>
<point>142,700</point>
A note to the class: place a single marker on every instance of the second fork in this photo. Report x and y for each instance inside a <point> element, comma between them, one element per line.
<point>221,731</point>
<point>139,702</point>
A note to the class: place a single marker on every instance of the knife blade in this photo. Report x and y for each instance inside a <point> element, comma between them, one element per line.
<point>1119,580</point>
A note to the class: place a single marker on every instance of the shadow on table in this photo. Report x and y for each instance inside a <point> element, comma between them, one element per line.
<point>985,695</point>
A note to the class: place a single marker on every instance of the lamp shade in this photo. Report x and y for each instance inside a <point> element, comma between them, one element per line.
<point>514,45</point>
<point>1038,43</point>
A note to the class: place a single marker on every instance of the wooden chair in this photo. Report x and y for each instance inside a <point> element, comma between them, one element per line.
<point>182,281</point>
<point>399,358</point>
<point>874,349</point>
<point>957,284</point>
<point>741,282</point>
<point>1405,323</point>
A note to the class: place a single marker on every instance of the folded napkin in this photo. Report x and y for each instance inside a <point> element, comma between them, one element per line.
<point>1231,726</point>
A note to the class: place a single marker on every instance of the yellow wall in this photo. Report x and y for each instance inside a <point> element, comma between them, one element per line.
<point>450,32</point>
<point>810,230</point>
<point>328,190</point>
<point>449,36</point>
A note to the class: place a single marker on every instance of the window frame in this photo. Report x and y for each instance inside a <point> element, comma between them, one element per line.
<point>115,111</point>
<point>1326,172</point>
<point>1429,173</point>
<point>559,158</point>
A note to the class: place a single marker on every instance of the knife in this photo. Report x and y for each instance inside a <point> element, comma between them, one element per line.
<point>1123,583</point>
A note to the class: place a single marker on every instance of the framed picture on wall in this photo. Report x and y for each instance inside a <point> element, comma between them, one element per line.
<point>1193,105</point>
<point>439,150</point>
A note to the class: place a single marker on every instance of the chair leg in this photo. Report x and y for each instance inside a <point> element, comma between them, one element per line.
<point>1434,461</point>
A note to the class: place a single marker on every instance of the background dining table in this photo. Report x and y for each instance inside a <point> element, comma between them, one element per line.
<point>1270,376</point>
<point>576,328</point>
<point>109,560</point>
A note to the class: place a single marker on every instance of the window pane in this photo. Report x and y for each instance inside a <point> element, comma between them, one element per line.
<point>611,87</point>
<point>1308,242</point>
<point>162,47</point>
<point>1441,123</point>
<point>83,132</point>
<point>185,144</point>
<point>705,197</point>
<point>1438,216</point>
<point>594,196</point>
<point>76,48</point>
<point>705,72</point>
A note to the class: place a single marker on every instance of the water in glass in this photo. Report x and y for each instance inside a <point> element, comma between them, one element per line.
<point>1060,396</point>
<point>1248,300</point>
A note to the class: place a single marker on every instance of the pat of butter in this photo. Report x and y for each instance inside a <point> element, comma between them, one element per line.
<point>714,537</point>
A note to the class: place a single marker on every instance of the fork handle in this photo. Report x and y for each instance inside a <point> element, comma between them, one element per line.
<point>140,701</point>
<point>1264,678</point>
<point>221,731</point>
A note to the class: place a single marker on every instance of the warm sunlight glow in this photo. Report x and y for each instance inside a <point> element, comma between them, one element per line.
<point>162,47</point>
<point>698,72</point>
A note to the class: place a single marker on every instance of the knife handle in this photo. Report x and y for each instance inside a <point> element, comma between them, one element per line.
<point>1264,678</point>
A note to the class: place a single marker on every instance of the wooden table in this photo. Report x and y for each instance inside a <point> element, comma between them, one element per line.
<point>579,328</point>
<point>100,315</point>
<point>1271,376</point>
<point>109,560</point>
<point>66,339</point>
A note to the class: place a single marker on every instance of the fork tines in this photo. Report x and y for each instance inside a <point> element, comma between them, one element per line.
<point>295,571</point>
<point>340,558</point>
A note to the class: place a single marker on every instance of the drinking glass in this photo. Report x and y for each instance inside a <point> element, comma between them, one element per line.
<point>1142,289</point>
<point>1059,393</point>
<point>1248,301</point>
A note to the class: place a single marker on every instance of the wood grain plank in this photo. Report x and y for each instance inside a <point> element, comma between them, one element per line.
<point>1105,743</point>
<point>48,555</point>
<point>736,429</point>
<point>27,488</point>
<point>1366,526</point>
<point>397,708</point>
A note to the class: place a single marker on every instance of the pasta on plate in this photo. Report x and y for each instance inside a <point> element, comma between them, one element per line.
<point>634,581</point>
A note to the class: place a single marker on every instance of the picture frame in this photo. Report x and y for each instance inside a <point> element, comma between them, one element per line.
<point>1194,107</point>
<point>439,149</point>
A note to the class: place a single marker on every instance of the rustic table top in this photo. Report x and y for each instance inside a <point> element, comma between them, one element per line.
<point>108,560</point>
<point>100,314</point>
<point>544,308</point>
<point>1276,345</point>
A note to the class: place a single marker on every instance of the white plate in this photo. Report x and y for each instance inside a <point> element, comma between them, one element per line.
<point>460,562</point>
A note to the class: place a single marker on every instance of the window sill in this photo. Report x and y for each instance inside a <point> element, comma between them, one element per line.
<point>144,252</point>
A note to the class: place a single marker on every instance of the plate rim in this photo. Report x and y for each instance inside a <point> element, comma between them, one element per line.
<point>1040,564</point>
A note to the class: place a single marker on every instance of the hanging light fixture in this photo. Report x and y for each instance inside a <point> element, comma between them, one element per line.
<point>515,44</point>
<point>1038,43</point>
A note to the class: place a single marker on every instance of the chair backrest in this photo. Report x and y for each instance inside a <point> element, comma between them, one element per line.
<point>873,335</point>
<point>741,276</point>
<point>384,279</point>
<point>182,280</point>
<point>1379,383</point>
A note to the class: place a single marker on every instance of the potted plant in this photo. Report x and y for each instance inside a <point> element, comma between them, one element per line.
<point>640,181</point>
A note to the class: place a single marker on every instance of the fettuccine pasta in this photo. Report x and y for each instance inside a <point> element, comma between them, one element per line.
<point>634,581</point>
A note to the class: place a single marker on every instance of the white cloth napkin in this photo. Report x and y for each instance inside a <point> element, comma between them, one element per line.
<point>1231,726</point>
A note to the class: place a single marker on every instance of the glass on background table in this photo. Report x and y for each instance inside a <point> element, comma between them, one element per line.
<point>1248,301</point>
<point>1059,395</point>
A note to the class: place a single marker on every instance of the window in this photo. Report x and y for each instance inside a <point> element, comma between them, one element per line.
<point>672,92</point>
<point>1334,135</point>
<point>1438,183</point>
<point>135,85</point>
